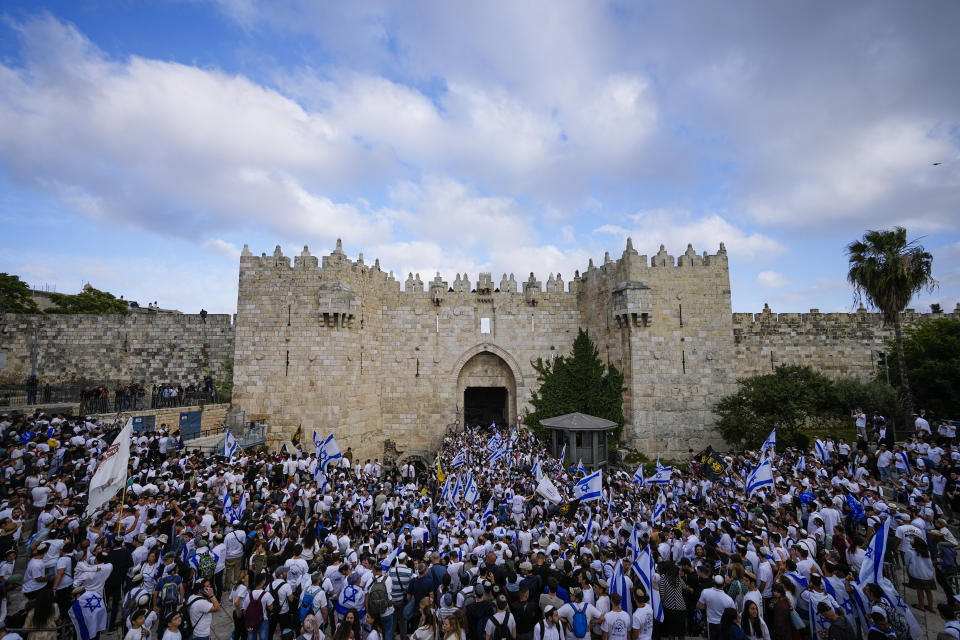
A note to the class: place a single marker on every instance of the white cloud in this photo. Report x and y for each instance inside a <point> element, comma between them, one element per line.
<point>772,280</point>
<point>223,247</point>
<point>676,228</point>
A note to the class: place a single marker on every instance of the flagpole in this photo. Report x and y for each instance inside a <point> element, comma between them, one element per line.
<point>122,498</point>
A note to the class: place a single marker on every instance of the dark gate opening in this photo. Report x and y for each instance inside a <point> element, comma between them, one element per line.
<point>483,405</point>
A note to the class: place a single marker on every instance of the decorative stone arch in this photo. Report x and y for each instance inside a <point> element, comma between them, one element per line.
<point>485,368</point>
<point>495,350</point>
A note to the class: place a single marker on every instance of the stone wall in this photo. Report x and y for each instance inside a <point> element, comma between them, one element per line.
<point>137,347</point>
<point>838,344</point>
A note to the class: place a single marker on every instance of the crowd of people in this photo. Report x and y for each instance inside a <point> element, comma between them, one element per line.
<point>498,541</point>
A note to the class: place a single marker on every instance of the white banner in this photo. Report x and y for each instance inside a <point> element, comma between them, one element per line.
<point>111,475</point>
<point>549,491</point>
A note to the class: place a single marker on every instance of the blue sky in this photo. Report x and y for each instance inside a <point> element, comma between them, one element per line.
<point>142,144</point>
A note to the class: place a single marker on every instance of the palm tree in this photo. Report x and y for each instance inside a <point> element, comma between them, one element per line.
<point>887,270</point>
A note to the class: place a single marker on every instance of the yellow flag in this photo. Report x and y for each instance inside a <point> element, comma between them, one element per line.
<point>441,476</point>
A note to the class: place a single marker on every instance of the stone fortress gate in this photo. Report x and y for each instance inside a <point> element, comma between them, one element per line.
<point>337,345</point>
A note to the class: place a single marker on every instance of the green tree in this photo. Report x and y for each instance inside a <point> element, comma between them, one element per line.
<point>578,382</point>
<point>15,295</point>
<point>887,270</point>
<point>932,354</point>
<point>89,300</point>
<point>872,395</point>
<point>789,398</point>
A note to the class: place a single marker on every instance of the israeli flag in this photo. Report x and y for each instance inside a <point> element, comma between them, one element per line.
<point>446,490</point>
<point>229,445</point>
<point>761,476</point>
<point>456,491</point>
<point>228,511</point>
<point>660,507</point>
<point>537,472</point>
<point>89,615</point>
<point>633,546</point>
<point>580,468</point>
<point>618,584</point>
<point>487,512</point>
<point>856,509</point>
<point>821,450</point>
<point>872,571</point>
<point>905,459</point>
<point>493,444</point>
<point>470,492</point>
<point>801,464</point>
<point>646,571</point>
<point>458,460</point>
<point>770,443</point>
<point>638,476</point>
<point>662,476</point>
<point>589,532</point>
<point>327,450</point>
<point>497,455</point>
<point>241,509</point>
<point>563,453</point>
<point>320,478</point>
<point>797,579</point>
<point>590,488</point>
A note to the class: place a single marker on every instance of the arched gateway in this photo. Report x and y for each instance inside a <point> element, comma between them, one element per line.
<point>487,380</point>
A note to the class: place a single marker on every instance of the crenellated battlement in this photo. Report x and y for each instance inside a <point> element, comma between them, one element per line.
<point>767,318</point>
<point>629,266</point>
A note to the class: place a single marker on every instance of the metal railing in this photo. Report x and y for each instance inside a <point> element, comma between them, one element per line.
<point>252,435</point>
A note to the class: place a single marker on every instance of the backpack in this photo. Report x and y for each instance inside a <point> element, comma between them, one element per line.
<point>468,599</point>
<point>169,591</point>
<point>206,565</point>
<point>580,626</point>
<point>253,616</point>
<point>188,625</point>
<point>306,605</point>
<point>378,600</point>
<point>275,592</point>
<point>501,630</point>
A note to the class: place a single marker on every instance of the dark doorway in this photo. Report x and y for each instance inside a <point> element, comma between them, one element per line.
<point>483,405</point>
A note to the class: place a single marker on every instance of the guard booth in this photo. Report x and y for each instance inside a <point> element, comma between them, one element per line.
<point>585,437</point>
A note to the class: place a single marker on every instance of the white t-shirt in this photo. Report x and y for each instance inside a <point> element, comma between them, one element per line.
<point>617,624</point>
<point>200,616</point>
<point>643,622</point>
<point>497,619</point>
<point>716,601</point>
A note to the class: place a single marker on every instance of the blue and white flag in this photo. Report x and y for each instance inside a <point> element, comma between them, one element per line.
<point>470,492</point>
<point>327,450</point>
<point>229,445</point>
<point>494,443</point>
<point>563,453</point>
<point>801,465</point>
<point>638,476</point>
<point>660,507</point>
<point>498,454</point>
<point>871,571</point>
<point>590,488</point>
<point>487,512</point>
<point>644,568</point>
<point>659,466</point>
<point>619,583</point>
<point>662,476</point>
<point>761,476</point>
<point>905,459</point>
<point>536,471</point>
<point>633,546</point>
<point>797,579</point>
<point>89,615</point>
<point>856,509</point>
<point>580,468</point>
<point>320,478</point>
<point>821,450</point>
<point>228,513</point>
<point>459,460</point>
<point>770,443</point>
<point>836,587</point>
<point>589,532</point>
<point>445,496</point>
<point>241,509</point>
